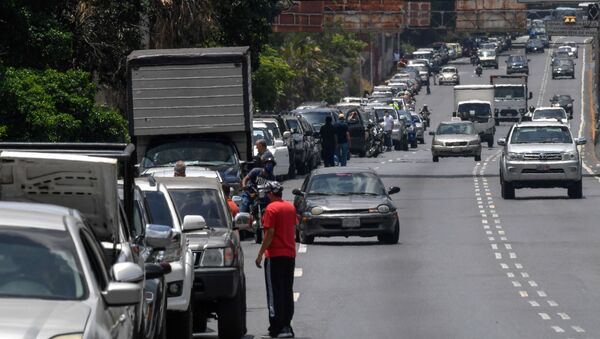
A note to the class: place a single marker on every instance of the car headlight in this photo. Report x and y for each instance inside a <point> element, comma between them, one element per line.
<point>454,76</point>
<point>514,156</point>
<point>171,254</point>
<point>217,257</point>
<point>569,156</point>
<point>383,208</point>
<point>317,210</point>
<point>437,143</point>
<point>69,336</point>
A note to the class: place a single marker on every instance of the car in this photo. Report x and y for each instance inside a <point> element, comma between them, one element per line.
<point>545,39</point>
<point>540,154</point>
<point>566,50</point>
<point>277,147</point>
<point>534,46</point>
<point>357,127</point>
<point>358,100</point>
<point>219,288</point>
<point>455,139</point>
<point>54,266</point>
<point>574,47</point>
<point>563,68</point>
<point>488,58</point>
<point>449,75</point>
<point>550,114</point>
<point>517,64</point>
<point>316,117</point>
<point>419,127</point>
<point>348,202</point>
<point>563,100</point>
<point>564,53</point>
<point>311,105</point>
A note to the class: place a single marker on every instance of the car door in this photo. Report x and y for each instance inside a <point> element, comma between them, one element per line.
<point>356,128</point>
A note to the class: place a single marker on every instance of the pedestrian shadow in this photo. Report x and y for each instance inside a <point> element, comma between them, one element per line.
<point>348,243</point>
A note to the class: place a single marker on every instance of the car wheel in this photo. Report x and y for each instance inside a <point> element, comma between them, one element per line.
<point>413,144</point>
<point>576,191</point>
<point>362,153</point>
<point>478,157</point>
<point>231,314</point>
<point>181,324</point>
<point>572,76</point>
<point>436,158</point>
<point>305,238</point>
<point>301,168</point>
<point>490,141</point>
<point>422,141</point>
<point>200,318</point>
<point>507,190</point>
<point>390,238</point>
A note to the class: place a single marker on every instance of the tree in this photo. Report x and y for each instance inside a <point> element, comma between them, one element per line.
<point>270,81</point>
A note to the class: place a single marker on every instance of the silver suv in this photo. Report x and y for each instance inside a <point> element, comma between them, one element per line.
<point>540,154</point>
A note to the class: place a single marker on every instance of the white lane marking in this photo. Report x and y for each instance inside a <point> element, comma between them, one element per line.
<point>523,294</point>
<point>298,272</point>
<point>542,294</point>
<point>563,316</point>
<point>552,303</point>
<point>508,246</point>
<point>544,80</point>
<point>578,329</point>
<point>302,248</point>
<point>498,255</point>
<point>516,283</point>
<point>534,303</point>
<point>504,266</point>
<point>532,283</point>
<point>525,274</point>
<point>296,296</point>
<point>558,329</point>
<point>512,255</point>
<point>519,266</point>
<point>544,316</point>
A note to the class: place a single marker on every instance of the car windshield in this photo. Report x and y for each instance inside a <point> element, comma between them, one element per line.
<point>561,98</point>
<point>449,70</point>
<point>509,92</point>
<point>478,109</point>
<point>455,128</point>
<point>541,135</point>
<point>564,50</point>
<point>487,53</point>
<point>562,62</point>
<point>158,208</point>
<point>262,133</point>
<point>293,125</point>
<point>517,58</point>
<point>346,183</point>
<point>272,126</point>
<point>549,114</point>
<point>193,152</point>
<point>316,118</point>
<point>39,264</point>
<point>205,202</point>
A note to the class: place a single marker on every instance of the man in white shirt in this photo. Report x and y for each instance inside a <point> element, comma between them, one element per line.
<point>388,125</point>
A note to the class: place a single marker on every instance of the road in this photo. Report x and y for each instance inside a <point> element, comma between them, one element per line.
<point>469,264</point>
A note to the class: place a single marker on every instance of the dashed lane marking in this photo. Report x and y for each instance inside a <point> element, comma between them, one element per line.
<point>296,296</point>
<point>558,329</point>
<point>302,248</point>
<point>298,272</point>
<point>544,316</point>
<point>563,316</point>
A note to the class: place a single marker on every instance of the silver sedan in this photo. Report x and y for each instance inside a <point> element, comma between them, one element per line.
<point>455,139</point>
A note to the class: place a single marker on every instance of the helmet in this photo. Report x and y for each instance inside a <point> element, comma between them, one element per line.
<point>270,159</point>
<point>424,105</point>
<point>273,186</point>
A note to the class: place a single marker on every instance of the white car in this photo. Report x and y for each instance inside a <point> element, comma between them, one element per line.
<point>573,46</point>
<point>277,147</point>
<point>449,75</point>
<point>550,114</point>
<point>568,50</point>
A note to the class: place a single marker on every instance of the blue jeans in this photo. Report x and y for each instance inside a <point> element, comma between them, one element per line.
<point>342,153</point>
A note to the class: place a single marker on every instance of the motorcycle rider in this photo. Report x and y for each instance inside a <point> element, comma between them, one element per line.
<point>478,70</point>
<point>257,176</point>
<point>425,113</point>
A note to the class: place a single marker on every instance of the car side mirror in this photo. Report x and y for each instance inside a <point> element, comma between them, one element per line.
<point>193,223</point>
<point>393,190</point>
<point>530,95</point>
<point>297,192</point>
<point>502,142</point>
<point>287,135</point>
<point>122,294</point>
<point>431,133</point>
<point>580,141</point>
<point>158,236</point>
<point>242,221</point>
<point>127,272</point>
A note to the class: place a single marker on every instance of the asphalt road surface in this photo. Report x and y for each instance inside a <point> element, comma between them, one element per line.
<point>469,264</point>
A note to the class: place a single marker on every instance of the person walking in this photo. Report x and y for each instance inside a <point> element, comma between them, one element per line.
<point>388,126</point>
<point>279,251</point>
<point>327,133</point>
<point>343,139</point>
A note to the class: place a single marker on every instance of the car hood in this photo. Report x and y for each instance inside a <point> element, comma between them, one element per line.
<point>35,318</point>
<point>217,237</point>
<point>346,202</point>
<point>456,137</point>
<point>541,148</point>
<point>84,183</point>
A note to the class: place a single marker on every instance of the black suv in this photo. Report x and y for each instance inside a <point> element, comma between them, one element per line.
<point>517,64</point>
<point>563,68</point>
<point>316,116</point>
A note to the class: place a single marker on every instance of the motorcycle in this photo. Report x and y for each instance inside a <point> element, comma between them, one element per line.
<point>375,140</point>
<point>425,117</point>
<point>259,202</point>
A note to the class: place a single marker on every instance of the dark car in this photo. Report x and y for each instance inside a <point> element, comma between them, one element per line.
<point>517,64</point>
<point>565,101</point>
<point>357,125</point>
<point>534,46</point>
<point>348,202</point>
<point>563,68</point>
<point>316,116</point>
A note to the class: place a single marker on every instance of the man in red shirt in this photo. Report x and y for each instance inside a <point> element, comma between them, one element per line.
<point>279,249</point>
<point>233,207</point>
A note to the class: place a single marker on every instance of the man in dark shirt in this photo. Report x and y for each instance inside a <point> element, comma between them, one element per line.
<point>328,133</point>
<point>343,139</point>
<point>257,176</point>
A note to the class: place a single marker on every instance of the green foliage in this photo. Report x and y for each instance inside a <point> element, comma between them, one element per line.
<point>270,80</point>
<point>54,106</point>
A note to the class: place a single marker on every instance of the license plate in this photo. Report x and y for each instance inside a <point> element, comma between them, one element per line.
<point>351,222</point>
<point>543,168</point>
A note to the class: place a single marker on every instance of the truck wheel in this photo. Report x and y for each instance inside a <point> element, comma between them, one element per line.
<point>200,318</point>
<point>390,238</point>
<point>507,190</point>
<point>576,191</point>
<point>232,314</point>
<point>180,324</point>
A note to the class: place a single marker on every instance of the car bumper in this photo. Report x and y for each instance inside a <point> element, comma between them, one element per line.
<point>447,81</point>
<point>517,70</point>
<point>455,151</point>
<point>562,73</point>
<point>215,283</point>
<point>332,225</point>
<point>535,173</point>
<point>180,274</point>
<point>508,115</point>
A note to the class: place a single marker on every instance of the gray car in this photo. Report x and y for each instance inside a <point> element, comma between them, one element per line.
<point>540,154</point>
<point>455,139</point>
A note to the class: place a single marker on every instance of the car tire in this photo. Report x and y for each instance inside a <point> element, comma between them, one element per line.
<point>413,144</point>
<point>390,238</point>
<point>478,157</point>
<point>490,141</point>
<point>200,318</point>
<point>231,314</point>
<point>507,190</point>
<point>576,191</point>
<point>181,324</point>
<point>572,76</point>
<point>397,146</point>
<point>305,238</point>
<point>497,122</point>
<point>422,141</point>
<point>436,158</point>
<point>362,153</point>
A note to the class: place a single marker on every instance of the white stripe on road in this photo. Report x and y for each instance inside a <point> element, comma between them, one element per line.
<point>302,248</point>
<point>298,272</point>
<point>296,296</point>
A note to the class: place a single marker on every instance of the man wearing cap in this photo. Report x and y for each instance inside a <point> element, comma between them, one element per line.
<point>279,249</point>
<point>343,139</point>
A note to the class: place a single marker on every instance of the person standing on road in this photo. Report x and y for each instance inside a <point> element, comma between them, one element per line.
<point>279,250</point>
<point>343,139</point>
<point>327,133</point>
<point>388,126</point>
